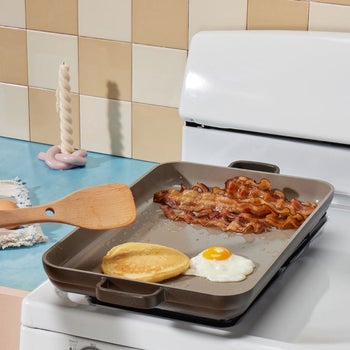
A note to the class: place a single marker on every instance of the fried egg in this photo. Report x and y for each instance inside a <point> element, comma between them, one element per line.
<point>219,264</point>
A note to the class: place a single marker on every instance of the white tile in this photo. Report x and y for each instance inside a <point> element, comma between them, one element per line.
<point>14,112</point>
<point>157,75</point>
<point>106,19</point>
<point>46,51</point>
<point>105,125</point>
<point>12,13</point>
<point>216,15</point>
<point>328,17</point>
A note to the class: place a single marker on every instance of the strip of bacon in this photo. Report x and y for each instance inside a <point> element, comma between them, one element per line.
<point>242,206</point>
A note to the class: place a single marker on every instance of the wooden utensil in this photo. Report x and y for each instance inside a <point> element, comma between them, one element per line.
<point>97,208</point>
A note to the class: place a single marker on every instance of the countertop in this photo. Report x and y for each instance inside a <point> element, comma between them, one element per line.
<point>21,268</point>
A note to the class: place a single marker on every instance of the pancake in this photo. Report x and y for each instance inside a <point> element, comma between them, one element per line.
<point>144,262</point>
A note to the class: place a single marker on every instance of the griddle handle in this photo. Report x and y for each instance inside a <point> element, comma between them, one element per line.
<point>108,292</point>
<point>253,165</point>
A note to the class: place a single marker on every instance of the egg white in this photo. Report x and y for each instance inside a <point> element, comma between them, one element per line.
<point>233,269</point>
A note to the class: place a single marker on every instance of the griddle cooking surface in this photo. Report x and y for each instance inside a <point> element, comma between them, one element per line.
<point>74,263</point>
<point>229,322</point>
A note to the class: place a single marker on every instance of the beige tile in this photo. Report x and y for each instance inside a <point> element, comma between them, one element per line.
<point>13,56</point>
<point>14,116</point>
<point>161,23</point>
<point>158,74</point>
<point>277,14</point>
<point>326,17</point>
<point>58,16</point>
<point>105,19</point>
<point>105,63</point>
<point>106,125</point>
<point>217,15</point>
<point>44,119</point>
<point>157,133</point>
<point>12,13</point>
<point>46,51</point>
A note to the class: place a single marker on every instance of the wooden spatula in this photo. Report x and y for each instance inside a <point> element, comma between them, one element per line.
<point>97,208</point>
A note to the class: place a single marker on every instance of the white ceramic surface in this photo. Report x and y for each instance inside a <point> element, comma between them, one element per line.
<point>105,125</point>
<point>329,17</point>
<point>109,19</point>
<point>14,111</point>
<point>157,75</point>
<point>228,15</point>
<point>46,51</point>
<point>12,13</point>
<point>237,79</point>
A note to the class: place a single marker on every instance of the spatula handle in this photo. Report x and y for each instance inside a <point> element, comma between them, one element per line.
<point>30,215</point>
<point>99,208</point>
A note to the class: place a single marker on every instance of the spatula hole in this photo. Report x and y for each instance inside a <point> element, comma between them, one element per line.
<point>49,212</point>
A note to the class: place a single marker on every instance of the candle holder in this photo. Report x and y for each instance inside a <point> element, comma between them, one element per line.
<point>57,160</point>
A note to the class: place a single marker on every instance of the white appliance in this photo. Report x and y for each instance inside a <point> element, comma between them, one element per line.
<point>267,96</point>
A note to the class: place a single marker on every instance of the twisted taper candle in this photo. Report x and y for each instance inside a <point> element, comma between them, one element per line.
<point>63,106</point>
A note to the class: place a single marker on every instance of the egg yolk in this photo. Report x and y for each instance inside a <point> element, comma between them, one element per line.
<point>216,253</point>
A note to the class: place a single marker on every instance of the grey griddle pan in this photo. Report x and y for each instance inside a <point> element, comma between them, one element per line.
<point>73,264</point>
